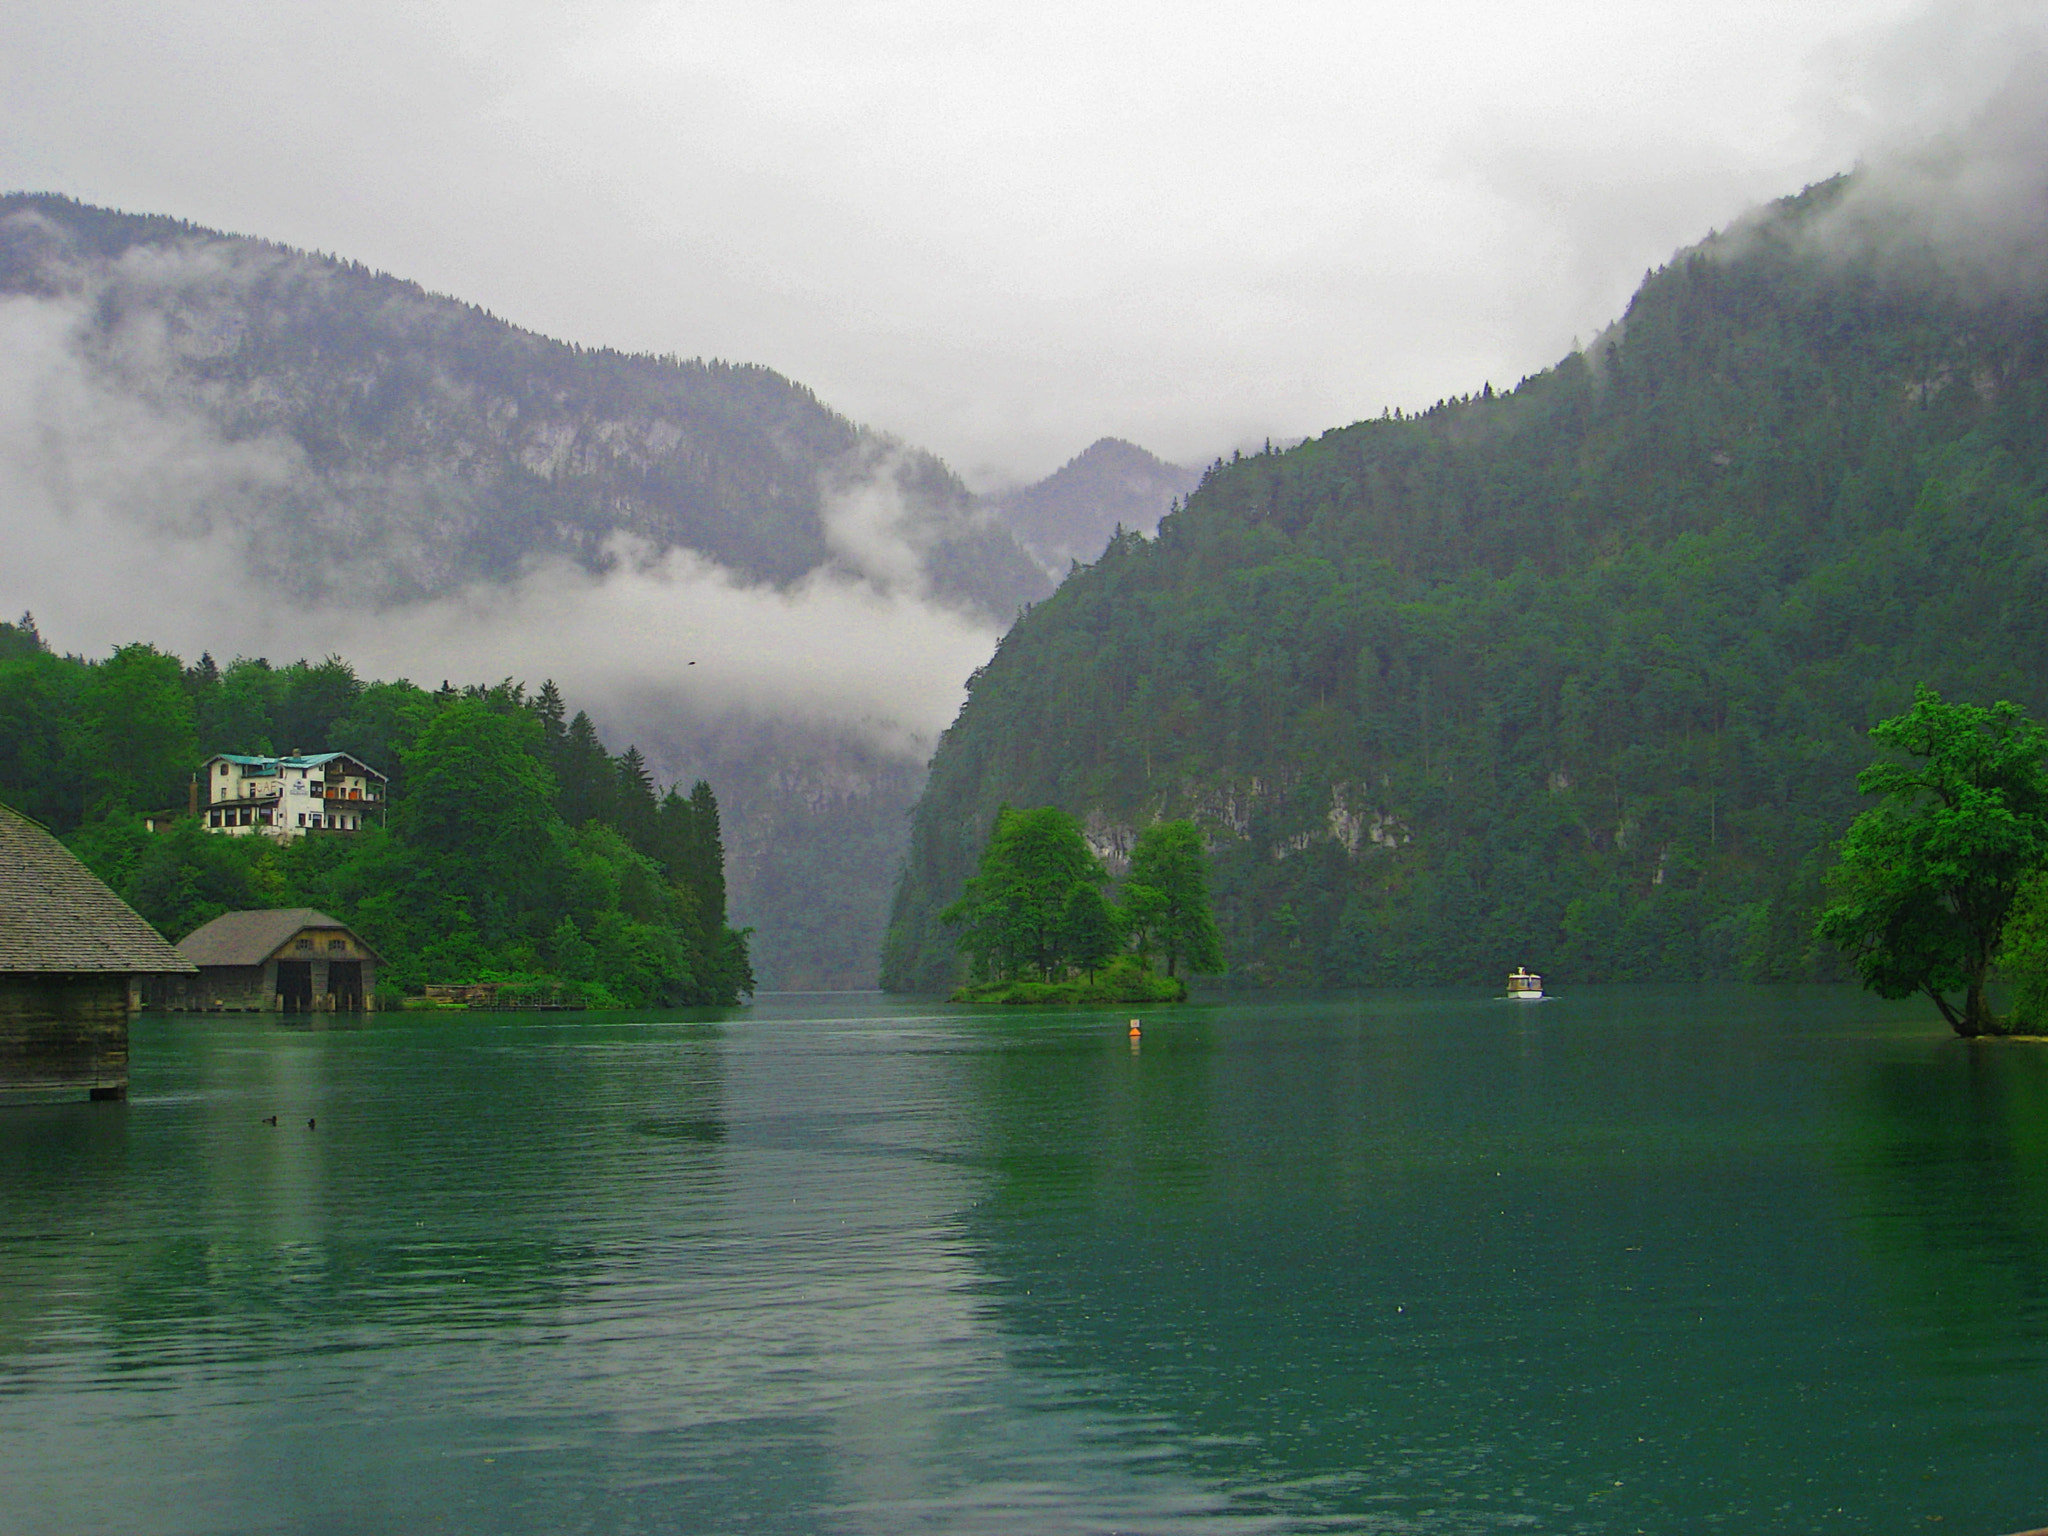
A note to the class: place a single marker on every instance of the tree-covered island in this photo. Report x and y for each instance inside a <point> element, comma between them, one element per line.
<point>1037,927</point>
<point>513,849</point>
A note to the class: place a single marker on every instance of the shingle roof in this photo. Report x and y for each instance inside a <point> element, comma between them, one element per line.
<point>250,938</point>
<point>56,915</point>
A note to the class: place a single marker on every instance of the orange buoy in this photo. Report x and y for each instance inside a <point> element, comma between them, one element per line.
<point>1134,1028</point>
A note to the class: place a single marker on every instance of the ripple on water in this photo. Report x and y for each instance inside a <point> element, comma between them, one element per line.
<point>1698,1260</point>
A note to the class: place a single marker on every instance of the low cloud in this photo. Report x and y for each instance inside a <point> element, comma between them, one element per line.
<point>670,632</point>
<point>869,527</point>
<point>1954,182</point>
<point>125,516</point>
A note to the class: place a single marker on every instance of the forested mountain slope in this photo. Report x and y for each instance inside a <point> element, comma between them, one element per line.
<point>451,445</point>
<point>1574,676</point>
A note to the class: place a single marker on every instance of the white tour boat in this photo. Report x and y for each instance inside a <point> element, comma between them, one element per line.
<point>1526,985</point>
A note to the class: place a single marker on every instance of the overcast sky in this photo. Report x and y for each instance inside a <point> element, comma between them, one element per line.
<point>999,231</point>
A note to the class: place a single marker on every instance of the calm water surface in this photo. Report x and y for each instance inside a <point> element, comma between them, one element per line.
<point>1736,1260</point>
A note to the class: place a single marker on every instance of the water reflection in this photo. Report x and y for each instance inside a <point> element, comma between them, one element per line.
<point>1950,1153</point>
<point>1454,1269</point>
<point>1064,1108</point>
<point>287,1291</point>
<point>1414,1263</point>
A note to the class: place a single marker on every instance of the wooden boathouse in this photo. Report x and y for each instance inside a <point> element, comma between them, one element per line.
<point>292,959</point>
<point>73,957</point>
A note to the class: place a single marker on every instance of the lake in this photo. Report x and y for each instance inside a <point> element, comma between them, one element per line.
<point>1666,1260</point>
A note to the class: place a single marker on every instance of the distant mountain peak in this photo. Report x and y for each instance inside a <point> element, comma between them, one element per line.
<point>1071,513</point>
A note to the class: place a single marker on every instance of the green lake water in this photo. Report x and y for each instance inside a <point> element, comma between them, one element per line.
<point>1635,1259</point>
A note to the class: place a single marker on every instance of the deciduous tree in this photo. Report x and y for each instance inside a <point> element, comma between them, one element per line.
<point>1013,916</point>
<point>1167,898</point>
<point>1928,876</point>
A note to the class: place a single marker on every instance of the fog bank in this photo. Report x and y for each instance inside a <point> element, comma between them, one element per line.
<point>126,518</point>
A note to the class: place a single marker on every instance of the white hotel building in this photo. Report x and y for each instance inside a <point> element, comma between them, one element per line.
<point>287,797</point>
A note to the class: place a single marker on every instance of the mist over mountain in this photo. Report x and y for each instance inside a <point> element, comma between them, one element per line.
<point>222,445</point>
<point>1576,675</point>
<point>1071,514</point>
<point>438,444</point>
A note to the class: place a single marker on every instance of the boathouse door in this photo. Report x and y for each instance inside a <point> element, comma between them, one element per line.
<point>295,984</point>
<point>345,984</point>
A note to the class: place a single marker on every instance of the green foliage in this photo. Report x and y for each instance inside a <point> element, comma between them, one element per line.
<point>181,878</point>
<point>1014,913</point>
<point>1166,898</point>
<point>1036,927</point>
<point>21,639</point>
<point>478,877</point>
<point>1126,979</point>
<point>141,744</point>
<point>42,724</point>
<point>2023,958</point>
<point>1577,674</point>
<point>1929,876</point>
<point>589,785</point>
<point>1091,930</point>
<point>478,804</point>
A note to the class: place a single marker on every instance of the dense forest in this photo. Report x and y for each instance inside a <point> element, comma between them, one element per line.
<point>515,848</point>
<point>1577,674</point>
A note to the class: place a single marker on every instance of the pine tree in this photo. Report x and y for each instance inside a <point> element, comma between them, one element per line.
<point>707,856</point>
<point>547,705</point>
<point>674,823</point>
<point>637,809</point>
<point>586,776</point>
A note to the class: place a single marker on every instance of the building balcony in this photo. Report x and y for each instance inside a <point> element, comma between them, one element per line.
<point>250,795</point>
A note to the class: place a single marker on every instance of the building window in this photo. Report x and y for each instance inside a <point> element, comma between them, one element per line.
<point>337,943</point>
<point>304,944</point>
<point>302,818</point>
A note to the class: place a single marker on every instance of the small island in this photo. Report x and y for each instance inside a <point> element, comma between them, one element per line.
<point>1037,927</point>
